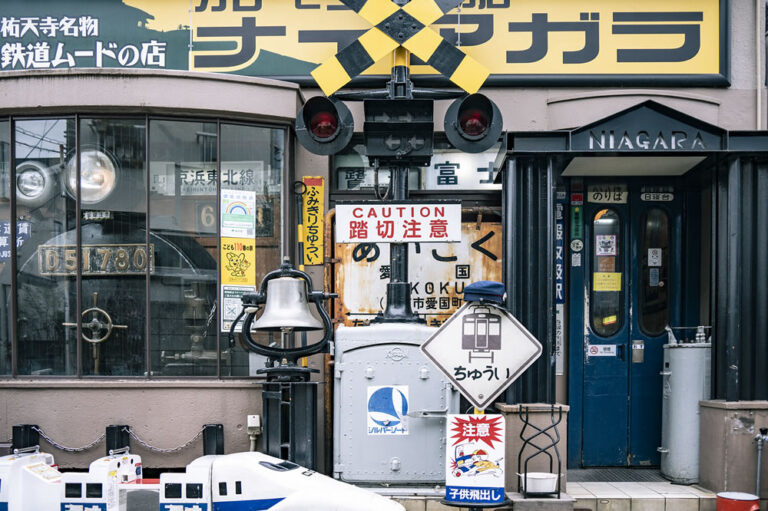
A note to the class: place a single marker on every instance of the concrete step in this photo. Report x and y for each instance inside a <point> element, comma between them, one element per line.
<point>592,496</point>
<point>640,496</point>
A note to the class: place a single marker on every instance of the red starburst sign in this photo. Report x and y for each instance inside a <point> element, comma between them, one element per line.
<point>479,428</point>
<point>474,452</point>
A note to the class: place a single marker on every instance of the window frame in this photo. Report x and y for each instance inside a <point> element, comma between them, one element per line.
<point>619,261</point>
<point>281,233</point>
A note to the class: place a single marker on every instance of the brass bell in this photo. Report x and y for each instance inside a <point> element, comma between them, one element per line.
<point>287,307</point>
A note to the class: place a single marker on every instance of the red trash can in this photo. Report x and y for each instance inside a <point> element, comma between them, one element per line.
<point>737,501</point>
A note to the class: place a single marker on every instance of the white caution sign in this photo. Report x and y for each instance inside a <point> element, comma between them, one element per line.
<point>475,460</point>
<point>398,222</point>
<point>482,349</point>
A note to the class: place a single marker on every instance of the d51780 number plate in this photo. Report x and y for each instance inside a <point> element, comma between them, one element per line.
<point>124,259</point>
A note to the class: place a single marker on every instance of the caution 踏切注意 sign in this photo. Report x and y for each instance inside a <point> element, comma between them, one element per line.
<point>398,222</point>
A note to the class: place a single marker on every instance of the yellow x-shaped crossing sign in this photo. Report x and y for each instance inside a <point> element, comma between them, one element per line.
<point>395,26</point>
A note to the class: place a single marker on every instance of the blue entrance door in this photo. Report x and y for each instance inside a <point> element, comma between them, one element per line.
<point>632,280</point>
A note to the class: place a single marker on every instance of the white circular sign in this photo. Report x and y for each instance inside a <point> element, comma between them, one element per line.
<point>577,245</point>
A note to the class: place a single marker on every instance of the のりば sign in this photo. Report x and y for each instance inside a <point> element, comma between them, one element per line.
<point>398,222</point>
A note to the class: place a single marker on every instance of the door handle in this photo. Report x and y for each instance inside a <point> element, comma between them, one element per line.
<point>621,347</point>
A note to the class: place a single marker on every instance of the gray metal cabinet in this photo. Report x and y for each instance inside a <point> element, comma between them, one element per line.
<point>390,406</point>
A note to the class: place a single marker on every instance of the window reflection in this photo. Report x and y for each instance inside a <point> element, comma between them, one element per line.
<point>144,267</point>
<point>606,309</point>
<point>114,253</point>
<point>5,248</point>
<point>252,169</point>
<point>654,268</point>
<point>47,296</point>
<point>183,288</point>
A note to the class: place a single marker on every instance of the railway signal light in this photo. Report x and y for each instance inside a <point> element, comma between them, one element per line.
<point>399,131</point>
<point>324,126</point>
<point>473,123</point>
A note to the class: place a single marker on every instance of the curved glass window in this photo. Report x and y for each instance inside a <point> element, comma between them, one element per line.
<point>5,247</point>
<point>654,272</point>
<point>130,235</point>
<point>606,302</point>
<point>46,288</point>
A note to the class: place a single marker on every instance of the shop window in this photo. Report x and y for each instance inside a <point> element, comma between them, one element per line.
<point>654,268</point>
<point>252,166</point>
<point>46,265</point>
<point>114,284</point>
<point>606,291</point>
<point>183,288</point>
<point>5,248</point>
<point>114,254</point>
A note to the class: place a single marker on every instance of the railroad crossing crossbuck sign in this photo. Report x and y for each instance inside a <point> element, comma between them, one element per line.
<point>395,26</point>
<point>482,349</point>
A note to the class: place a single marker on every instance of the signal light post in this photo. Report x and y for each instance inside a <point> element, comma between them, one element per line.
<point>399,124</point>
<point>410,140</point>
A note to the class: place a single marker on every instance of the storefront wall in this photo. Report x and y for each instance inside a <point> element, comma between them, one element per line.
<point>82,408</point>
<point>73,393</point>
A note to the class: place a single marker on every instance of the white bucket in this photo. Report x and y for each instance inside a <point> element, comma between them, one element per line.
<point>539,482</point>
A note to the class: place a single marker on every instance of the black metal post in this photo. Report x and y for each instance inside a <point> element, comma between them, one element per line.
<point>118,437</point>
<point>398,307</point>
<point>213,439</point>
<point>399,288</point>
<point>24,436</point>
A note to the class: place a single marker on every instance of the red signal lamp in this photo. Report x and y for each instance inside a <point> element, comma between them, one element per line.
<point>324,125</point>
<point>473,123</point>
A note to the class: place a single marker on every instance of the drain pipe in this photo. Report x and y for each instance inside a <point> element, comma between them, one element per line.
<point>759,43</point>
<point>761,438</point>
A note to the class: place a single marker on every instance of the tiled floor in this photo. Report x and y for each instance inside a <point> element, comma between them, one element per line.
<point>640,496</point>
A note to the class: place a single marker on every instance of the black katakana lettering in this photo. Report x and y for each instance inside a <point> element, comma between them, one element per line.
<point>540,27</point>
<point>247,33</point>
<point>651,23</point>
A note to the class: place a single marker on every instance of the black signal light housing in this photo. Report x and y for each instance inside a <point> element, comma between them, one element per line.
<point>473,123</point>
<point>324,125</point>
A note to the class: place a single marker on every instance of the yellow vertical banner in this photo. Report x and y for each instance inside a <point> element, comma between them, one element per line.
<point>238,262</point>
<point>313,216</point>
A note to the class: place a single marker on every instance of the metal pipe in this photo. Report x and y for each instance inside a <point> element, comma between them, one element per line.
<point>761,438</point>
<point>759,42</point>
<point>759,463</point>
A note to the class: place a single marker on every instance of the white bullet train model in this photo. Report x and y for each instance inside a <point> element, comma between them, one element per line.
<point>246,481</point>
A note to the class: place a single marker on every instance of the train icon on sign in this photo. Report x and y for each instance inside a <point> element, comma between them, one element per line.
<point>481,333</point>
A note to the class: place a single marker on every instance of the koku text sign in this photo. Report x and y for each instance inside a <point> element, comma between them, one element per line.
<point>398,222</point>
<point>522,40</point>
